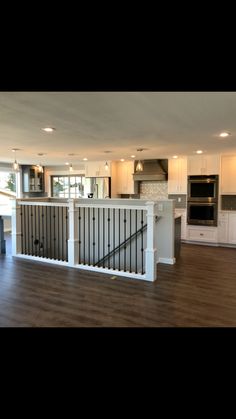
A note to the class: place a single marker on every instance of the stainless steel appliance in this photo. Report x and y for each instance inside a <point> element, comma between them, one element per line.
<point>202,203</point>
<point>97,187</point>
<point>203,188</point>
<point>202,213</point>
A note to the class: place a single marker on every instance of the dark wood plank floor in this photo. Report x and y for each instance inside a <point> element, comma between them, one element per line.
<point>200,290</point>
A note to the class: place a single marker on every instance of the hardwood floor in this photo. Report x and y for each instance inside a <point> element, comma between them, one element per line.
<point>200,290</point>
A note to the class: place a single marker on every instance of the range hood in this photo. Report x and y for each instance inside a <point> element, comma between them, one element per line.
<point>154,169</point>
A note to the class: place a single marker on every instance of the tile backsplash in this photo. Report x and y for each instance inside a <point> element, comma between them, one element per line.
<point>228,202</point>
<point>183,200</point>
<point>153,190</point>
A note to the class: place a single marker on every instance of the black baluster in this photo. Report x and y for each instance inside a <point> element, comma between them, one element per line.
<point>114,259</point>
<point>66,234</point>
<point>103,236</point>
<point>142,239</point>
<point>32,235</point>
<point>84,236</point>
<point>124,239</point>
<point>43,232</point>
<point>130,245</point>
<point>54,232</point>
<point>93,238</point>
<point>119,238</point>
<point>98,235</point>
<point>79,236</point>
<point>89,236</point>
<point>136,241</point>
<point>21,226</point>
<point>39,226</point>
<point>108,236</point>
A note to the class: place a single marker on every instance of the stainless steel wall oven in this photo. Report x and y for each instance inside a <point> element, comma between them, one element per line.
<point>202,204</point>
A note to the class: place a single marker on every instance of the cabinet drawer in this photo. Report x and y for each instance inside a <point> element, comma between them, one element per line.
<point>208,235</point>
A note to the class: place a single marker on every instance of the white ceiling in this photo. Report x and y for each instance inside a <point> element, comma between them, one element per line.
<point>90,123</point>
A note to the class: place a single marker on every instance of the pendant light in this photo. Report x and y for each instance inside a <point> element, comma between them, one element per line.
<point>71,168</point>
<point>139,167</point>
<point>106,166</point>
<point>15,166</point>
<point>40,168</point>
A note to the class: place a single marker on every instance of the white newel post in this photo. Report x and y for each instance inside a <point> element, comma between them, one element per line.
<point>151,251</point>
<point>16,228</point>
<point>73,242</point>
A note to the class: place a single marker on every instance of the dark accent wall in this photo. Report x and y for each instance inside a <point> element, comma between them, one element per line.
<point>228,202</point>
<point>181,204</point>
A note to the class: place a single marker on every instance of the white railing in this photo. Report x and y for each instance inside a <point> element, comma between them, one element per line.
<point>116,236</point>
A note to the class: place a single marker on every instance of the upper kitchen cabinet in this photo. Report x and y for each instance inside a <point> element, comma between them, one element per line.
<point>177,176</point>
<point>203,165</point>
<point>124,178</point>
<point>228,175</point>
<point>97,169</point>
<point>32,179</point>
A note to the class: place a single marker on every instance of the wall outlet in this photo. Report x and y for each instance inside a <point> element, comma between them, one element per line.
<point>179,199</point>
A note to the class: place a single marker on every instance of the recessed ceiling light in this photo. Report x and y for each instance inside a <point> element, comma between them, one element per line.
<point>48,129</point>
<point>199,151</point>
<point>175,157</point>
<point>224,134</point>
<point>85,159</point>
<point>132,156</point>
<point>122,159</point>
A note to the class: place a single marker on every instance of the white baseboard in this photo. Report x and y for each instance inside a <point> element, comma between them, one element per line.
<point>168,261</point>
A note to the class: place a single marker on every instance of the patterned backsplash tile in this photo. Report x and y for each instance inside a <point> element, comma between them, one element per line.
<point>153,190</point>
<point>228,202</point>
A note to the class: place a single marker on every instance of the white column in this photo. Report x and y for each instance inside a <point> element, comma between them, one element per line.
<point>151,251</point>
<point>73,242</point>
<point>16,228</point>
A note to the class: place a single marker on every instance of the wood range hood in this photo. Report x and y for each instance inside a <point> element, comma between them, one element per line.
<point>153,170</point>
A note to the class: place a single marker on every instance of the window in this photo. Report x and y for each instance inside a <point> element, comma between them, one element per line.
<point>67,186</point>
<point>7,187</point>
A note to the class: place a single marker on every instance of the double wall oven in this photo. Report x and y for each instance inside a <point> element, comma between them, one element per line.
<point>202,202</point>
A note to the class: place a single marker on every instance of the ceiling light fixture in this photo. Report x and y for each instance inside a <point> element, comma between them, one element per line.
<point>15,165</point>
<point>71,168</point>
<point>40,168</point>
<point>224,134</point>
<point>67,163</point>
<point>85,159</point>
<point>106,166</point>
<point>175,157</point>
<point>199,151</point>
<point>48,129</point>
<point>122,159</point>
<point>139,167</point>
<point>133,156</point>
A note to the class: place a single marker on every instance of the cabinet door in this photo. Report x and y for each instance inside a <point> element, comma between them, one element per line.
<point>173,176</point>
<point>125,182</point>
<point>223,228</point>
<point>228,175</point>
<point>183,175</point>
<point>195,165</point>
<point>232,229</point>
<point>203,165</point>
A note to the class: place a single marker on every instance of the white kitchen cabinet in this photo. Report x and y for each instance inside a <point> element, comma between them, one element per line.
<point>124,175</point>
<point>227,227</point>
<point>228,175</point>
<point>177,176</point>
<point>223,223</point>
<point>232,228</point>
<point>202,234</point>
<point>182,212</point>
<point>97,169</point>
<point>203,165</point>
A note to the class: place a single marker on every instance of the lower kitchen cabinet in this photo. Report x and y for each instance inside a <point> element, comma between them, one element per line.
<point>227,228</point>
<point>202,234</point>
